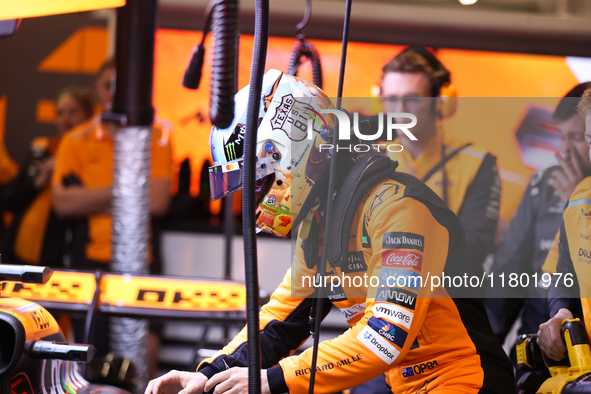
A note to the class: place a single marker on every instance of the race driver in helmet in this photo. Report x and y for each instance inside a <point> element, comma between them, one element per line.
<point>424,339</point>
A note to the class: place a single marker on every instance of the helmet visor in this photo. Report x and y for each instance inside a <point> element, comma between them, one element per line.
<point>226,178</point>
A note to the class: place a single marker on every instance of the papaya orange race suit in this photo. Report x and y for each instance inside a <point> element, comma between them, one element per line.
<point>571,283</point>
<point>85,157</point>
<point>423,339</point>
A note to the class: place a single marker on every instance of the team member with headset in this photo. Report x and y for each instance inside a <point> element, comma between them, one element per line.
<point>423,339</point>
<point>529,237</point>
<point>570,293</point>
<point>464,175</point>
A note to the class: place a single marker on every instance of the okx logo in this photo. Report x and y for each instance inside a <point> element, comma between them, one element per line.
<point>317,122</point>
<point>418,369</point>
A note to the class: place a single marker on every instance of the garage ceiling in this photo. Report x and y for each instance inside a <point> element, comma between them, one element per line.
<point>528,6</point>
<point>561,27</point>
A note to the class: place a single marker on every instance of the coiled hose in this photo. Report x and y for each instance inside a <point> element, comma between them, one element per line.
<point>223,74</point>
<point>223,15</point>
<point>303,48</point>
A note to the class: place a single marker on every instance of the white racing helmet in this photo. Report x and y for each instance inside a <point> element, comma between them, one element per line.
<point>289,159</point>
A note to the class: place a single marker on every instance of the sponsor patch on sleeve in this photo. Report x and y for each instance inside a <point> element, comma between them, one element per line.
<point>418,369</point>
<point>400,278</point>
<point>352,311</point>
<point>397,296</point>
<point>355,263</point>
<point>402,259</point>
<point>397,240</point>
<point>388,330</point>
<point>393,313</point>
<point>378,345</point>
<point>336,294</point>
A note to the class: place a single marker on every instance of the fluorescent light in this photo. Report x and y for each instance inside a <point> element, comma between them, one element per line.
<point>467,2</point>
<point>11,9</point>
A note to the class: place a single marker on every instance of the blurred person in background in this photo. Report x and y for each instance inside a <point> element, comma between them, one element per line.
<point>464,175</point>
<point>529,237</point>
<point>568,300</point>
<point>82,191</point>
<point>83,177</point>
<point>35,235</point>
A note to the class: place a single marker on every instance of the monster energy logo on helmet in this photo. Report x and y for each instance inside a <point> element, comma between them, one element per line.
<point>233,147</point>
<point>231,151</point>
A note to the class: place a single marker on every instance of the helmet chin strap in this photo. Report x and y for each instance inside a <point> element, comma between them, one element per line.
<point>321,268</point>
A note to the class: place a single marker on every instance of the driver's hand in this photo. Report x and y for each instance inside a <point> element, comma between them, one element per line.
<point>550,335</point>
<point>177,382</point>
<point>235,381</point>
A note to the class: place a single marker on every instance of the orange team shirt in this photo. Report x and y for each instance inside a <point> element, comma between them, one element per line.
<point>86,152</point>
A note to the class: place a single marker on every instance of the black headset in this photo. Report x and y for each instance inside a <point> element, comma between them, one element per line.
<point>442,86</point>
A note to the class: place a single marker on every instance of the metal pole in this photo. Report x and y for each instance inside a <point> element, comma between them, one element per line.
<point>136,26</point>
<point>228,235</point>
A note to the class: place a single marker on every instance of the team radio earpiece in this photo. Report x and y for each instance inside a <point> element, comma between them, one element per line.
<point>445,103</point>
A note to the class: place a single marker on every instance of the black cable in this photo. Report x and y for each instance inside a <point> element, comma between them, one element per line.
<point>228,235</point>
<point>259,54</point>
<point>331,189</point>
<point>91,314</point>
<point>223,73</point>
<point>92,308</point>
<point>303,48</point>
<point>192,77</point>
<point>300,26</point>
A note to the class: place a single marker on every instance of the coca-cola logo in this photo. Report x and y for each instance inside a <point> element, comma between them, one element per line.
<point>398,258</point>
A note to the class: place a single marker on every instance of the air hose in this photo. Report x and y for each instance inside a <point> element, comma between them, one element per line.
<point>261,36</point>
<point>222,15</point>
<point>192,77</point>
<point>223,74</point>
<point>303,48</point>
